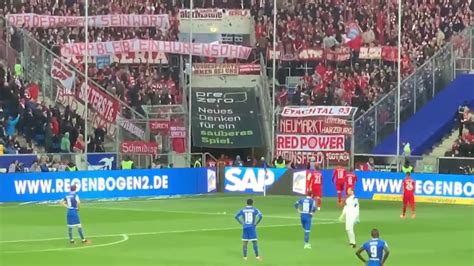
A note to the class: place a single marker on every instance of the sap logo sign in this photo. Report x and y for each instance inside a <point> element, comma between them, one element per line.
<point>248,179</point>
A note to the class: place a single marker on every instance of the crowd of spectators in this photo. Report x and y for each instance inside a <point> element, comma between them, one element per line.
<point>464,144</point>
<point>25,122</point>
<point>426,26</point>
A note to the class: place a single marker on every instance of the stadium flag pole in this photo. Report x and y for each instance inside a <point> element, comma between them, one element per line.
<point>273,78</point>
<point>399,79</point>
<point>190,100</point>
<point>86,77</point>
<point>264,179</point>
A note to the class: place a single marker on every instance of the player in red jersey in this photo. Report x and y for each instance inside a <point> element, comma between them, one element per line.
<point>338,179</point>
<point>350,180</point>
<point>408,196</point>
<point>314,181</point>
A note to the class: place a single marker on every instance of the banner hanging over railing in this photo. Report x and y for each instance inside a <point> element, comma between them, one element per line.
<point>387,53</point>
<point>135,45</point>
<point>321,132</point>
<point>31,20</point>
<point>213,69</point>
<point>63,75</point>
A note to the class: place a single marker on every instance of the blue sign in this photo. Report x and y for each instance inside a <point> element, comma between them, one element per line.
<point>370,184</point>
<point>250,180</point>
<point>103,184</point>
<point>102,61</point>
<point>26,160</point>
<point>102,161</point>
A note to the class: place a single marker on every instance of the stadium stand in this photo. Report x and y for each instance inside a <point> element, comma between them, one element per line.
<point>349,28</point>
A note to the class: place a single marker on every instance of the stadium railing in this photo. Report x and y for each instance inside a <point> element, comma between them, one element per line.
<point>105,161</point>
<point>416,90</point>
<point>464,62</point>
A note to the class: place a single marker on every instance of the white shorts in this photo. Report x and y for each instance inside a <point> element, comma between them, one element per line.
<point>350,222</point>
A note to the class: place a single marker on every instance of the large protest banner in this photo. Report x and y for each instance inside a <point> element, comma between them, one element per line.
<point>31,20</point>
<point>225,118</point>
<point>136,45</point>
<point>322,132</point>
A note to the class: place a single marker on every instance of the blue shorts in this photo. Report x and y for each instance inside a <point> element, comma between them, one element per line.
<point>306,223</point>
<point>73,219</point>
<point>374,263</point>
<point>249,234</point>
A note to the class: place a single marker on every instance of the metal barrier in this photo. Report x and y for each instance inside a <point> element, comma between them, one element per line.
<point>103,161</point>
<point>416,90</point>
<point>464,51</point>
<point>456,165</point>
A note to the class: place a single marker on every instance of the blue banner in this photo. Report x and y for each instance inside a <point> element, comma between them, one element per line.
<point>104,184</point>
<point>102,61</point>
<point>250,180</point>
<point>429,187</point>
<point>434,188</point>
<point>102,161</point>
<point>27,160</point>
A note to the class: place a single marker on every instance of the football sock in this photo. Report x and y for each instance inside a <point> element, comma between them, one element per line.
<point>404,209</point>
<point>245,250</point>
<point>306,237</point>
<point>339,197</point>
<point>318,202</point>
<point>351,235</point>
<point>69,232</point>
<point>255,248</point>
<point>80,233</point>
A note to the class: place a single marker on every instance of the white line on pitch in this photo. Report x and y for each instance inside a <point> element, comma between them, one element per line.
<point>124,238</point>
<point>159,232</point>
<point>200,213</point>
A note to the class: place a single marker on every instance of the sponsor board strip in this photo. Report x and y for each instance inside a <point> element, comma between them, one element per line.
<point>426,199</point>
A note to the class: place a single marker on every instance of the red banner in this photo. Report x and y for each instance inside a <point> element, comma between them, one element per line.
<point>102,103</point>
<point>386,53</point>
<point>159,126</point>
<point>139,147</point>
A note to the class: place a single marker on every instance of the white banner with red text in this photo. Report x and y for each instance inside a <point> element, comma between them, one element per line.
<point>30,20</point>
<point>63,75</point>
<point>323,133</point>
<point>213,69</point>
<point>216,21</point>
<point>135,45</point>
<point>386,53</point>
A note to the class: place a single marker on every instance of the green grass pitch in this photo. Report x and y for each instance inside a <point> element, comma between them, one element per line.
<point>202,231</point>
